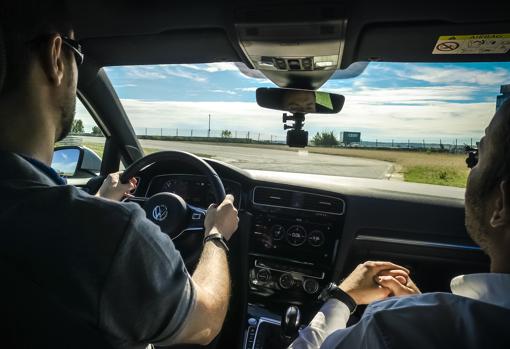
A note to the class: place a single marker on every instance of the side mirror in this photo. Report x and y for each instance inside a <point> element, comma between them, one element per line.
<point>75,161</point>
<point>299,101</point>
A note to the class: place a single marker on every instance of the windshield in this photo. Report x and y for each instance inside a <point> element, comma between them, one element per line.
<point>406,122</point>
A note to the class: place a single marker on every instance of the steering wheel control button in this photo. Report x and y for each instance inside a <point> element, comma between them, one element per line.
<point>278,232</point>
<point>286,281</point>
<point>310,286</point>
<point>316,238</point>
<point>296,235</point>
<point>263,275</point>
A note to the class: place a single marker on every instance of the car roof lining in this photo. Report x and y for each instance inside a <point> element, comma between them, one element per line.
<point>158,32</point>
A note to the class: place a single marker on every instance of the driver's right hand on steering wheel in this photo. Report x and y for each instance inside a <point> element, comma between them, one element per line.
<point>222,219</point>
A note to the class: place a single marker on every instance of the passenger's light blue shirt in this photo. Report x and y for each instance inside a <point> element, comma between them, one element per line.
<point>476,315</point>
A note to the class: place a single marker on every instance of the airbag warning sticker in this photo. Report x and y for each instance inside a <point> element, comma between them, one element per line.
<point>472,44</point>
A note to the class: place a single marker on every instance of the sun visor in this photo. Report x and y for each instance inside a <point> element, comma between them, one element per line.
<point>301,55</point>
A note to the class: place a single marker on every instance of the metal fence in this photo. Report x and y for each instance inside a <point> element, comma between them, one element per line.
<point>457,145</point>
<point>202,133</point>
<point>451,145</point>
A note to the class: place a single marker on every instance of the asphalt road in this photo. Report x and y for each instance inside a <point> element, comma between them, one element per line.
<point>277,160</point>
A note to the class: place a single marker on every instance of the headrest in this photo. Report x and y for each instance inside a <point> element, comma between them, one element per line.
<point>3,60</point>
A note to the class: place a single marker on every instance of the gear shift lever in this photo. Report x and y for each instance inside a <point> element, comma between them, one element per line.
<point>290,324</point>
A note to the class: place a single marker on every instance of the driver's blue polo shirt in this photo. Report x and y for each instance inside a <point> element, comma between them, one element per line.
<point>102,260</point>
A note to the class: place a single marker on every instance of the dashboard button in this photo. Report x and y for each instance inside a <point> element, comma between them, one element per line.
<point>263,275</point>
<point>316,238</point>
<point>296,235</point>
<point>278,232</point>
<point>310,286</point>
<point>286,281</point>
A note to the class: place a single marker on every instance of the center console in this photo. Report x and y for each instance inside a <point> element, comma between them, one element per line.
<point>293,244</point>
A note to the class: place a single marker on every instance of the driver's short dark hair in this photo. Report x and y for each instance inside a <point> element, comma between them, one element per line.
<point>23,21</point>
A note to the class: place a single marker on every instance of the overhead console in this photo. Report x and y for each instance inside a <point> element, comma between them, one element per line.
<point>293,52</point>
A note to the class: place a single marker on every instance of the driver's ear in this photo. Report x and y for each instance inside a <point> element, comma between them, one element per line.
<point>52,60</point>
<point>501,214</point>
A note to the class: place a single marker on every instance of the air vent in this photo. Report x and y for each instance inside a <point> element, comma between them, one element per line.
<point>298,200</point>
<point>272,196</point>
<point>323,203</point>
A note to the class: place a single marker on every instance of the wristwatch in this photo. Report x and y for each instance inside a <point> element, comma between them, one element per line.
<point>217,237</point>
<point>333,291</point>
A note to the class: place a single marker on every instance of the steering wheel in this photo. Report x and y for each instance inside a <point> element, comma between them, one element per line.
<point>183,222</point>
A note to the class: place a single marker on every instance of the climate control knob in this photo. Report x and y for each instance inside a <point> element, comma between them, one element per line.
<point>296,235</point>
<point>263,275</point>
<point>286,281</point>
<point>316,238</point>
<point>310,286</point>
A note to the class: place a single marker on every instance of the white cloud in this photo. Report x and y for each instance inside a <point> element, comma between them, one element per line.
<point>159,72</point>
<point>141,72</point>
<point>228,92</point>
<point>408,95</point>
<point>457,75</point>
<point>181,73</point>
<point>212,67</point>
<point>247,89</point>
<point>428,120</point>
<point>194,115</point>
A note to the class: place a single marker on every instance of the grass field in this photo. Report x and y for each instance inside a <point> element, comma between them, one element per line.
<point>417,167</point>
<point>98,148</point>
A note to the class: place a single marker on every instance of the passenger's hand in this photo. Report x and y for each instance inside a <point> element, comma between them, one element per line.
<point>362,286</point>
<point>396,286</point>
<point>113,189</point>
<point>222,218</point>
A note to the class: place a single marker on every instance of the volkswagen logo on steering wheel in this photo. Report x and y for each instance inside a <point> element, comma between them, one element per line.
<point>160,212</point>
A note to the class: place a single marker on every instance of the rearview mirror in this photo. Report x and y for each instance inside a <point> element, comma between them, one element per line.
<point>300,101</point>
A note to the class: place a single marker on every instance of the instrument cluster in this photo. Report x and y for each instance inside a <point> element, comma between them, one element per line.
<point>194,189</point>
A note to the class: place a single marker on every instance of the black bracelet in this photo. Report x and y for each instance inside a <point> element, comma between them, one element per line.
<point>217,237</point>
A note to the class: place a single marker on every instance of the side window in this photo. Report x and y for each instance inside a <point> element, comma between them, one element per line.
<point>79,154</point>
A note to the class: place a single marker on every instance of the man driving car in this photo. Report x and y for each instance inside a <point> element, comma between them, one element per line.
<point>110,276</point>
<point>475,315</point>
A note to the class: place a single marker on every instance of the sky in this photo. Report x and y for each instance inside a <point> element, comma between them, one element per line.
<point>400,101</point>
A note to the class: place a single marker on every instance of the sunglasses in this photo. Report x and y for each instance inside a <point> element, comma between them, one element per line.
<point>74,45</point>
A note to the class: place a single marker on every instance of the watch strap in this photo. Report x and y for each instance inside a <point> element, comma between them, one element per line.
<point>217,237</point>
<point>333,291</point>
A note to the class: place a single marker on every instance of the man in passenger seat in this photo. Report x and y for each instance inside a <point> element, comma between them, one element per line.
<point>77,270</point>
<point>477,312</point>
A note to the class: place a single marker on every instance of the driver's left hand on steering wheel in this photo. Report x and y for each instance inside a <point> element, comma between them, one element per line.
<point>113,189</point>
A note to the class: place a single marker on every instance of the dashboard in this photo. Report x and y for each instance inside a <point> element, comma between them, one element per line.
<point>299,232</point>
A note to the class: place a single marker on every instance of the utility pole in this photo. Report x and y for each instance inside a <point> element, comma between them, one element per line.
<point>209,129</point>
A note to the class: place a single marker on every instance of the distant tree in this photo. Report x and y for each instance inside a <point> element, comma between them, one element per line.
<point>96,131</point>
<point>325,139</point>
<point>77,126</point>
<point>226,134</point>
